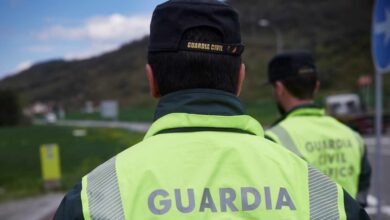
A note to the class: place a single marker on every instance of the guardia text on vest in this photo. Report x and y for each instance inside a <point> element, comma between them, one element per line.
<point>160,200</point>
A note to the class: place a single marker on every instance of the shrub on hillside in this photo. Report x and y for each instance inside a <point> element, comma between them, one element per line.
<point>10,112</point>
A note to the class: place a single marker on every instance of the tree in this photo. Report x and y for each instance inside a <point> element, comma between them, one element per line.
<point>10,112</point>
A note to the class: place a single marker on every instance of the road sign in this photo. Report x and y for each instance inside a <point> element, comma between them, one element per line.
<point>381,55</point>
<point>50,164</point>
<point>109,109</point>
<point>381,36</point>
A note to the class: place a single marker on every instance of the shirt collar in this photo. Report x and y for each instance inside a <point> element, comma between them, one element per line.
<point>199,101</point>
<point>202,108</point>
<point>302,110</point>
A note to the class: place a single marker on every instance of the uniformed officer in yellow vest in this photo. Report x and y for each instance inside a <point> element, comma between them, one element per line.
<point>203,158</point>
<point>306,130</point>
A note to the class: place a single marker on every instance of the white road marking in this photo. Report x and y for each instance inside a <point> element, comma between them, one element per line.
<point>372,206</point>
<point>132,126</point>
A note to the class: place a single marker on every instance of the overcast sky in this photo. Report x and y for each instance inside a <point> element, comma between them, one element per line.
<point>39,30</point>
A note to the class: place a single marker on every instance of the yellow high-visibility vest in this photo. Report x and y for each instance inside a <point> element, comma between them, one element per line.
<point>209,167</point>
<point>325,143</point>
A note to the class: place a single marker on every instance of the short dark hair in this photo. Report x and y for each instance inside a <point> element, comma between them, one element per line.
<point>182,70</point>
<point>302,87</point>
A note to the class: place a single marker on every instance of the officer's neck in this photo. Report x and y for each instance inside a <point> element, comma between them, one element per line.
<point>290,104</point>
<point>199,101</point>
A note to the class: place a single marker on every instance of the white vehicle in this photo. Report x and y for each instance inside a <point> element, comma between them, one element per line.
<point>344,105</point>
<point>347,108</point>
<point>51,117</point>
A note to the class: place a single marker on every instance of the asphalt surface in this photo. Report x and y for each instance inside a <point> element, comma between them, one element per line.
<point>384,177</point>
<point>34,208</point>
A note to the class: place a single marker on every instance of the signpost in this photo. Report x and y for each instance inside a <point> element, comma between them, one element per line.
<point>381,55</point>
<point>50,164</point>
<point>109,109</point>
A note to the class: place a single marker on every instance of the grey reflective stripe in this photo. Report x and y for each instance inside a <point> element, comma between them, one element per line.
<point>323,194</point>
<point>286,139</point>
<point>103,194</point>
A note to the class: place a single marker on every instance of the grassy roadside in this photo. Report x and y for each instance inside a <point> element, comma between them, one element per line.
<point>20,171</point>
<point>264,111</point>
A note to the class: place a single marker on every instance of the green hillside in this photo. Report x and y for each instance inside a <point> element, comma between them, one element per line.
<point>336,31</point>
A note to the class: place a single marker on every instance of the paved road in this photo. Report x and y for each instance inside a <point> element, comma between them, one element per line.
<point>35,208</point>
<point>141,127</point>
<point>385,177</point>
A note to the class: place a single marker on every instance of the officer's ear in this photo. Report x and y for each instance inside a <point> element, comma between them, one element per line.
<point>318,86</point>
<point>280,89</point>
<point>241,77</point>
<point>152,82</point>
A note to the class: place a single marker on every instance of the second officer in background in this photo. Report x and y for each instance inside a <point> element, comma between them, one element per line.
<point>306,130</point>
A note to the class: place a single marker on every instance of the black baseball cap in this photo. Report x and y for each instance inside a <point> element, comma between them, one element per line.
<point>291,65</point>
<point>173,18</point>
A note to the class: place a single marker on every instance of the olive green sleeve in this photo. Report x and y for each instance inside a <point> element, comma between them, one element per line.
<point>364,179</point>
<point>70,207</point>
<point>353,210</point>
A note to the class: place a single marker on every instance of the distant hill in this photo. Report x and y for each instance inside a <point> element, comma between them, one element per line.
<point>336,31</point>
<point>115,75</point>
